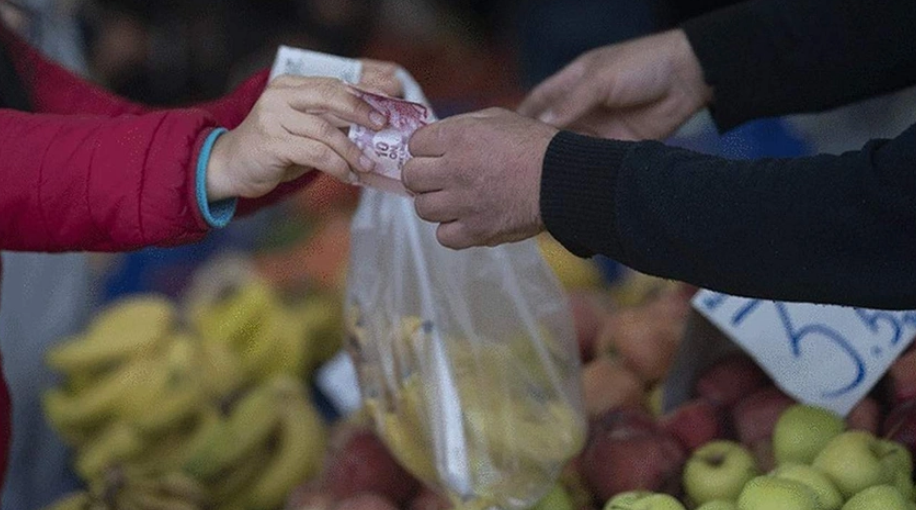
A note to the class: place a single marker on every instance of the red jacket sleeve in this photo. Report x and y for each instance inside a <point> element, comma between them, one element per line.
<point>96,183</point>
<point>55,90</point>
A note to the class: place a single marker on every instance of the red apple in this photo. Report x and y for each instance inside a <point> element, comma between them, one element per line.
<point>366,501</point>
<point>755,416</point>
<point>428,499</point>
<point>607,384</point>
<point>866,415</point>
<point>902,377</point>
<point>627,451</point>
<point>587,317</point>
<point>731,379</point>
<point>310,496</point>
<point>694,424</point>
<point>763,453</point>
<point>642,340</point>
<point>364,464</point>
<point>900,425</point>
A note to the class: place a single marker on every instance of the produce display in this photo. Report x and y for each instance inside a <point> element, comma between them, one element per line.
<point>195,405</point>
<point>204,404</point>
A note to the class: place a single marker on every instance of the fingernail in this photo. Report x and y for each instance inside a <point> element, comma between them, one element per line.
<point>377,118</point>
<point>547,117</point>
<point>366,163</point>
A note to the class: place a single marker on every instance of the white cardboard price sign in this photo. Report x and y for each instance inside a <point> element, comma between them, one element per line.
<point>828,356</point>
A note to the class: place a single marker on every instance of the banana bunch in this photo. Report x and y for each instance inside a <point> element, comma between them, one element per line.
<point>229,305</point>
<point>127,489</point>
<point>205,409</point>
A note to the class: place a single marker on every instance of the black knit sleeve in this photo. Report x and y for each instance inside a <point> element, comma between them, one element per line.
<point>773,57</point>
<point>826,229</point>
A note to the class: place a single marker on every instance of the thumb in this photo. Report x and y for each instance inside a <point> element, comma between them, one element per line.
<point>572,106</point>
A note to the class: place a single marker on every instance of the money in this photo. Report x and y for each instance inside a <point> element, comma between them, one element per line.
<point>298,62</point>
<point>388,147</point>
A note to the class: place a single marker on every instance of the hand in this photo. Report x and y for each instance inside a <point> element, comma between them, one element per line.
<point>479,176</point>
<point>641,89</point>
<point>292,129</point>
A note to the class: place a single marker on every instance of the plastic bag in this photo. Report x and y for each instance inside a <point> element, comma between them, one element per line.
<point>466,360</point>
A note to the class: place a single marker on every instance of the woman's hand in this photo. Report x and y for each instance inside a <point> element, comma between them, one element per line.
<point>294,127</point>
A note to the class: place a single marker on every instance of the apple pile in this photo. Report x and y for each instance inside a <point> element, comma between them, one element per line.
<point>736,406</point>
<point>626,352</point>
<point>821,464</point>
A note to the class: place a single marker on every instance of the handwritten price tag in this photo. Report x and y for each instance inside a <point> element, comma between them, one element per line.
<point>829,356</point>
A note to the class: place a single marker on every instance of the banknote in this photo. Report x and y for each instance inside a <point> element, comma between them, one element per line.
<point>388,147</point>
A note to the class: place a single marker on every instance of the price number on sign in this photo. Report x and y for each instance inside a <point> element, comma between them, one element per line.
<point>830,356</point>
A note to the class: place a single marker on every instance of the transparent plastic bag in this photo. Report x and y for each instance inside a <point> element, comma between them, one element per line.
<point>466,360</point>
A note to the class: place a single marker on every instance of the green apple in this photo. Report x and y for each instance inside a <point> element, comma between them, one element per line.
<point>718,470</point>
<point>852,461</point>
<point>557,499</point>
<point>718,504</point>
<point>896,456</point>
<point>642,500</point>
<point>802,431</point>
<point>771,493</point>
<point>878,497</point>
<point>625,498</point>
<point>904,485</point>
<point>827,494</point>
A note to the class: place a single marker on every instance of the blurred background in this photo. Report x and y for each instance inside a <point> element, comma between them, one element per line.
<point>466,54</point>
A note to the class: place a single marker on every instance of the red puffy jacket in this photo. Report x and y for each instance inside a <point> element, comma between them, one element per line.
<point>89,171</point>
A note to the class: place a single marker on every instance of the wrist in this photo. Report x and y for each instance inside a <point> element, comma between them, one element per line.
<point>217,211</point>
<point>688,69</point>
<point>218,184</point>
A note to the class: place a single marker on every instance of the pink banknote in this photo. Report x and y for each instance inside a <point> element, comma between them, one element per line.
<point>388,148</point>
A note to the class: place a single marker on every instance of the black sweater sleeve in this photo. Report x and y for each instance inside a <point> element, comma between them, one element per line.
<point>775,57</point>
<point>826,229</point>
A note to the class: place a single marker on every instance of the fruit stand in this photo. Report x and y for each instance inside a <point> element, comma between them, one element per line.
<point>208,401</point>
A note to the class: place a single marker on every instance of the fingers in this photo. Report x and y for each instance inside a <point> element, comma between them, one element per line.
<point>454,235</point>
<point>437,207</point>
<point>328,96</point>
<point>382,77</point>
<point>548,93</point>
<point>306,152</point>
<point>430,141</point>
<point>424,175</point>
<point>573,105</point>
<point>318,129</point>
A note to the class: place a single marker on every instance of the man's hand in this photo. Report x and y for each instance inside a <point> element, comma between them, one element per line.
<point>641,89</point>
<point>479,176</point>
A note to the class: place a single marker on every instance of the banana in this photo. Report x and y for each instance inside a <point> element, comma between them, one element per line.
<point>148,500</point>
<point>278,348</point>
<point>174,409</point>
<point>182,393</point>
<point>222,372</point>
<point>236,312</point>
<point>75,501</point>
<point>322,319</point>
<point>168,452</point>
<point>146,397</point>
<point>100,402</point>
<point>261,350</point>
<point>234,483</point>
<point>124,329</point>
<point>166,485</point>
<point>117,443</point>
<point>250,424</point>
<point>180,485</point>
<point>208,431</point>
<point>299,451</point>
